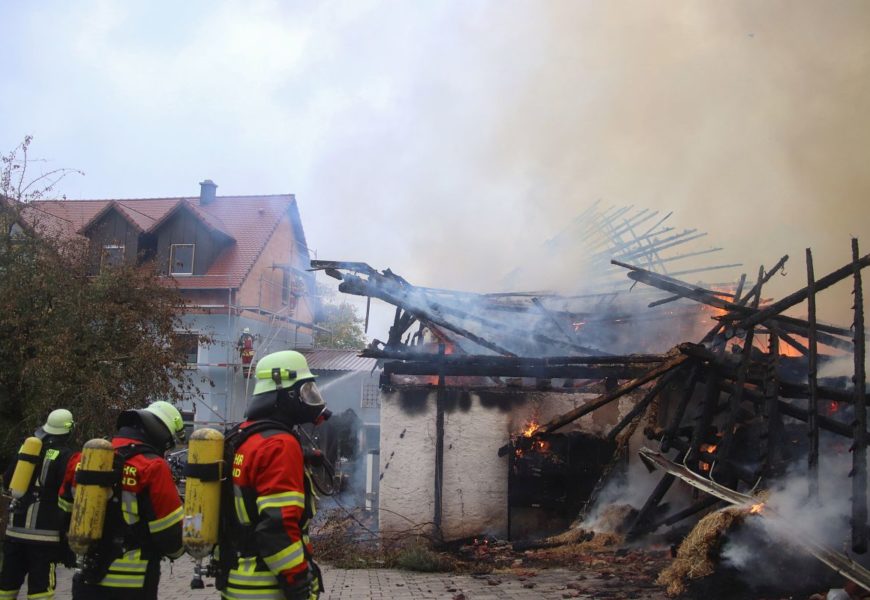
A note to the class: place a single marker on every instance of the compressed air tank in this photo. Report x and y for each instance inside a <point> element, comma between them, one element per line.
<point>202,491</point>
<point>93,487</point>
<point>28,458</point>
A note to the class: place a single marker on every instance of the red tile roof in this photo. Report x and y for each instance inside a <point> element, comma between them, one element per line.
<point>249,221</point>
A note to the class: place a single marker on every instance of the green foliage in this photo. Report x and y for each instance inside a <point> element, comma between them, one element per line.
<point>95,345</point>
<point>345,328</point>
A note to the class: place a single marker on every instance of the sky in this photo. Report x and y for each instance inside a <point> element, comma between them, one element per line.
<point>448,140</point>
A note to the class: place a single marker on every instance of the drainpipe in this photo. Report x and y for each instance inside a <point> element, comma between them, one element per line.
<point>228,392</point>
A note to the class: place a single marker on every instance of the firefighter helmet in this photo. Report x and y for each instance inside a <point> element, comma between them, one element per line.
<point>281,369</point>
<point>59,422</point>
<point>285,390</point>
<point>160,421</point>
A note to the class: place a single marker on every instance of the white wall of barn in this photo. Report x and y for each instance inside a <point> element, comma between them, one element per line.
<point>476,425</point>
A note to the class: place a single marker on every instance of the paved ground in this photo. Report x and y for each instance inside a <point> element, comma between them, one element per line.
<point>384,584</point>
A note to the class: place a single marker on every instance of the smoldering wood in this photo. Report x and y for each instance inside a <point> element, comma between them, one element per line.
<point>812,383</point>
<point>771,407</point>
<point>756,289</point>
<point>788,389</point>
<point>801,295</point>
<point>359,287</point>
<point>485,360</point>
<point>690,511</point>
<point>778,331</point>
<point>704,418</point>
<point>640,525</point>
<point>859,450</point>
<point>724,448</point>
<point>620,372</point>
<point>688,391</point>
<point>604,399</point>
<point>640,407</point>
<point>837,561</point>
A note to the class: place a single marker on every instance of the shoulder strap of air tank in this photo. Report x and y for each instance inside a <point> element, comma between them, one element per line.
<point>261,427</point>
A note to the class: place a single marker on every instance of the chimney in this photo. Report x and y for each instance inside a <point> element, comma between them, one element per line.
<point>207,191</point>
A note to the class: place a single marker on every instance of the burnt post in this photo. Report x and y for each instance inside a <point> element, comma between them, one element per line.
<point>771,405</point>
<point>439,450</point>
<point>859,452</point>
<point>813,401</point>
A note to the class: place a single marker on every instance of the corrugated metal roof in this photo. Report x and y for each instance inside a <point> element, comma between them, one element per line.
<point>338,360</point>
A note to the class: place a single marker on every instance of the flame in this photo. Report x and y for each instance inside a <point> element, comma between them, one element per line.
<point>530,429</point>
<point>756,508</point>
<point>710,449</point>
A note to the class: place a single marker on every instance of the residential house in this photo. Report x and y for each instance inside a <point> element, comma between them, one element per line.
<point>240,262</point>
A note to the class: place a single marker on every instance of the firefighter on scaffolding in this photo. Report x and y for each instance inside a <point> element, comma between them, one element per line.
<point>264,550</point>
<point>245,346</point>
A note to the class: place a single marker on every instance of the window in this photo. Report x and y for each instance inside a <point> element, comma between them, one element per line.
<point>188,343</point>
<point>113,255</point>
<point>371,396</point>
<point>181,259</point>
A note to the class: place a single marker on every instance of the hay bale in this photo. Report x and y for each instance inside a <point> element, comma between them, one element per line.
<point>699,552</point>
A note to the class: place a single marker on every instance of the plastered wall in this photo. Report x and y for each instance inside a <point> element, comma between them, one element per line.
<point>476,425</point>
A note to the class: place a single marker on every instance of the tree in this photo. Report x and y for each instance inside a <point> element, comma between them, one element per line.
<point>95,344</point>
<point>345,328</point>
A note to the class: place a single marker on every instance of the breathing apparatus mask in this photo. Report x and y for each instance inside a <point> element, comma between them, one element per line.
<point>296,405</point>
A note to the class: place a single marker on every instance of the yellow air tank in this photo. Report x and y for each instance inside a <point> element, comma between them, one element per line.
<point>93,487</point>
<point>28,458</point>
<point>202,492</point>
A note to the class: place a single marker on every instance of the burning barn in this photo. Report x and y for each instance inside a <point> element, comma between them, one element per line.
<point>510,414</point>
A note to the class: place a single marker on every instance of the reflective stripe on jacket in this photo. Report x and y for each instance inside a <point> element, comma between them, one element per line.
<point>149,514</point>
<point>271,505</point>
<point>37,517</point>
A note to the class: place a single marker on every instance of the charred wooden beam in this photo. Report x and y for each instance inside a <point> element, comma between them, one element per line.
<point>859,450</point>
<point>787,389</point>
<point>440,404</point>
<point>609,397</point>
<point>356,285</point>
<point>704,419</point>
<point>639,408</point>
<point>812,384</point>
<point>771,407</point>
<point>641,521</point>
<point>799,296</point>
<point>724,448</point>
<point>690,511</point>
<point>484,359</point>
<point>620,372</point>
<point>688,391</point>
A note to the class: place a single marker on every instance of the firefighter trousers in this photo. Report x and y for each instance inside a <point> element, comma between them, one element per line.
<point>33,561</point>
<point>86,591</point>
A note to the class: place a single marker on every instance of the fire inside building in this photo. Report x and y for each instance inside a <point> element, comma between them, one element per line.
<point>518,415</point>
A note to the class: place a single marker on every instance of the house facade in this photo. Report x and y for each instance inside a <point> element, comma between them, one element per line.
<point>239,261</point>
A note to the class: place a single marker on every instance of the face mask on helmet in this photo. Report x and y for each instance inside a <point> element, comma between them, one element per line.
<point>297,405</point>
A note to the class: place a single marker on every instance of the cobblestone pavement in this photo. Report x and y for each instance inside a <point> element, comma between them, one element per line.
<point>384,584</point>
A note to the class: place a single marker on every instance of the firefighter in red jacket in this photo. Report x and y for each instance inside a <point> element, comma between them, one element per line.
<point>264,548</point>
<point>143,520</point>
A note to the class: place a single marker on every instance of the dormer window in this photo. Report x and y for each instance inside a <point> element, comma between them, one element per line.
<point>181,259</point>
<point>113,256</point>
